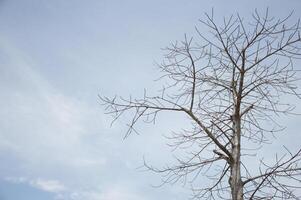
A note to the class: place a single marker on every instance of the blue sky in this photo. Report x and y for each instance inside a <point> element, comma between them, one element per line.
<point>55,57</point>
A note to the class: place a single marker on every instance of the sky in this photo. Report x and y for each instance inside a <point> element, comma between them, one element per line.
<point>56,56</point>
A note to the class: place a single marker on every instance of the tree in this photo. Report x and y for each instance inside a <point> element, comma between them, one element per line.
<point>230,85</point>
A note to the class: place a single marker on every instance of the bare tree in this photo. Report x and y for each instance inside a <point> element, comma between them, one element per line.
<point>231,86</point>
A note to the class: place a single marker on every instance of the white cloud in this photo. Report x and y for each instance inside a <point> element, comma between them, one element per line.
<point>16,180</point>
<point>62,192</point>
<point>53,186</point>
<point>44,130</point>
<point>49,133</point>
<point>48,185</point>
<point>112,192</point>
<point>118,193</point>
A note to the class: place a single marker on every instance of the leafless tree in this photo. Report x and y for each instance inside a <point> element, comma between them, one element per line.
<point>231,85</point>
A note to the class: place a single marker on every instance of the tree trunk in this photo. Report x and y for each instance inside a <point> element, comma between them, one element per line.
<point>235,176</point>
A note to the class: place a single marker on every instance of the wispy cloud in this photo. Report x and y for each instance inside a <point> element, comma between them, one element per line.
<point>111,192</point>
<point>53,186</point>
<point>44,129</point>
<point>48,185</point>
<point>117,193</point>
